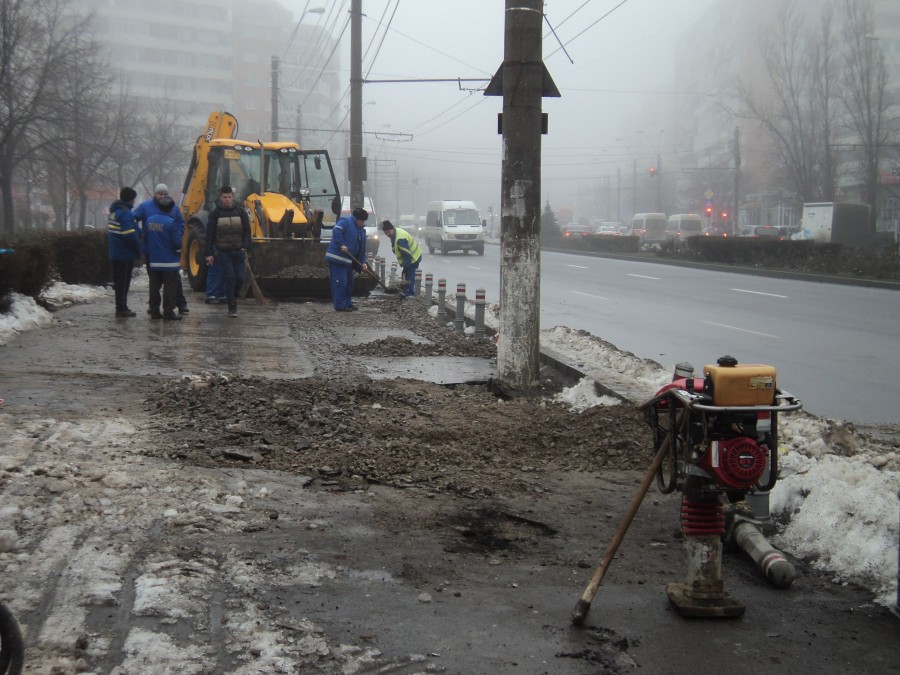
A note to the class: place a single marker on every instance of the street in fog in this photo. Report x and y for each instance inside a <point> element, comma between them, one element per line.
<point>834,346</point>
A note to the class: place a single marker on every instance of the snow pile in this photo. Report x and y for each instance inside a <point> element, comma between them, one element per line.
<point>25,314</point>
<point>61,295</point>
<point>583,395</point>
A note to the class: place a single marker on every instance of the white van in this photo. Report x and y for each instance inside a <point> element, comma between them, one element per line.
<point>454,225</point>
<point>373,234</point>
<point>650,227</point>
<point>681,226</point>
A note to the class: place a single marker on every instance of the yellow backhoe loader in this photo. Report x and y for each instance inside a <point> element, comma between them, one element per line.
<point>290,195</point>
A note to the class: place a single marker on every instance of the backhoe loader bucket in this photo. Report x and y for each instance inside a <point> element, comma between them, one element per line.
<point>295,268</point>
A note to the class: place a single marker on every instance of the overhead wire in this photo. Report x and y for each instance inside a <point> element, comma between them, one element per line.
<point>328,24</point>
<point>587,28</point>
<point>325,65</point>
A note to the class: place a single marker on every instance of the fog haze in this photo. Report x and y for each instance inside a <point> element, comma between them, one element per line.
<point>616,94</point>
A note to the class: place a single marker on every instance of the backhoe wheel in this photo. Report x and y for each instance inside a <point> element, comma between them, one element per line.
<point>196,268</point>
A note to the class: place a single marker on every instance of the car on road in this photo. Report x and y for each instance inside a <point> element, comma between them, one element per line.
<point>715,232</point>
<point>608,230</point>
<point>574,230</point>
<point>373,234</point>
<point>766,231</point>
<point>681,226</point>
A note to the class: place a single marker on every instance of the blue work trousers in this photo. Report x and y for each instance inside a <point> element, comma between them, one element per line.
<point>341,284</point>
<point>233,265</point>
<point>409,275</point>
<point>214,282</point>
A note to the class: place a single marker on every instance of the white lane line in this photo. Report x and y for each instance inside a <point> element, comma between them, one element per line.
<point>743,330</point>
<point>641,276</point>
<point>580,267</point>
<point>588,295</point>
<point>771,295</point>
<point>472,267</point>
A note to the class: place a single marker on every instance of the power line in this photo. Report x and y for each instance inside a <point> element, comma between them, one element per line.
<point>568,42</point>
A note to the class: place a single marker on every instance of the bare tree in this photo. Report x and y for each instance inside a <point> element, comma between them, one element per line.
<point>36,46</point>
<point>864,94</point>
<point>798,115</point>
<point>157,147</point>
<point>88,124</point>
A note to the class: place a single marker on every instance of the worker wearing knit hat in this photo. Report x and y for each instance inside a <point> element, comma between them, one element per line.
<point>124,247</point>
<point>151,207</point>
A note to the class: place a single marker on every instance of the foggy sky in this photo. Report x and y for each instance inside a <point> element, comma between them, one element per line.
<point>610,110</point>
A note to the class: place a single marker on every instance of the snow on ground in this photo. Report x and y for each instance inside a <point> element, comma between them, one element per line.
<point>837,496</point>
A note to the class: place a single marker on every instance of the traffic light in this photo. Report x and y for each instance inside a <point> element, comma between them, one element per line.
<point>724,215</point>
<point>709,211</point>
<point>653,171</point>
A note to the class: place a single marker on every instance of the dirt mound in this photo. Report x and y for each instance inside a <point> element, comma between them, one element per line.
<point>463,439</point>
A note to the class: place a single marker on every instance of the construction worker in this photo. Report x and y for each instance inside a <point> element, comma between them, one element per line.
<point>346,254</point>
<point>408,253</point>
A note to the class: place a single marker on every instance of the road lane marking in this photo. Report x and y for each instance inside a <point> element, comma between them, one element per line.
<point>588,295</point>
<point>580,267</point>
<point>771,295</point>
<point>743,330</point>
<point>641,276</point>
<point>472,267</point>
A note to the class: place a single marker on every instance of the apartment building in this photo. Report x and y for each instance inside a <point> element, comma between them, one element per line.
<point>202,55</point>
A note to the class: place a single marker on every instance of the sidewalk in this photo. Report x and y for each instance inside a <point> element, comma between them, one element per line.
<point>137,550</point>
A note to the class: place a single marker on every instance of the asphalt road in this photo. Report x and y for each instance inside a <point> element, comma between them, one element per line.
<point>835,346</point>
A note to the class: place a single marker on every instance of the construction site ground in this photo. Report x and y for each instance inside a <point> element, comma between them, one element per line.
<point>302,490</point>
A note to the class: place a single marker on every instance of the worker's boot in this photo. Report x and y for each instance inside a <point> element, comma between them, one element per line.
<point>232,310</point>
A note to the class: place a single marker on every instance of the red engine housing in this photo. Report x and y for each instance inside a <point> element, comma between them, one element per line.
<point>735,462</point>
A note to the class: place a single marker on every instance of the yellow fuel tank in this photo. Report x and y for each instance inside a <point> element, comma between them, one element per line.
<point>742,384</point>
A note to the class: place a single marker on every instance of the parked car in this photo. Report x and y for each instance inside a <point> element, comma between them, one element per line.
<point>761,231</point>
<point>608,230</point>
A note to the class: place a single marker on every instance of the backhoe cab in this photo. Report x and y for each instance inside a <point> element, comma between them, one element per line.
<point>289,194</point>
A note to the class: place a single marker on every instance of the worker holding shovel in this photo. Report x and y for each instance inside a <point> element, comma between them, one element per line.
<point>346,254</point>
<point>408,253</point>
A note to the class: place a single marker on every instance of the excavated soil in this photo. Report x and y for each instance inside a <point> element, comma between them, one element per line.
<point>462,439</point>
<point>476,440</point>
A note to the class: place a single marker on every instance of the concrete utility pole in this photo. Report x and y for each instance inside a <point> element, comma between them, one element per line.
<point>356,163</point>
<point>735,214</point>
<point>274,93</point>
<point>518,352</point>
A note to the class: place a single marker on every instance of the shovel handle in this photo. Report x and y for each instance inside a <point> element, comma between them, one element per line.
<point>367,271</point>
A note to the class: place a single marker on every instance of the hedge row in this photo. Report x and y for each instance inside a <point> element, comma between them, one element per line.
<point>40,259</point>
<point>879,261</point>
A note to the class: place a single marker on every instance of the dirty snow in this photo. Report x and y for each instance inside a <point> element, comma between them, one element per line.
<point>838,496</point>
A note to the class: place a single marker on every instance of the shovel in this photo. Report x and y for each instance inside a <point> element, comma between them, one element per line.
<point>254,286</point>
<point>374,276</point>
